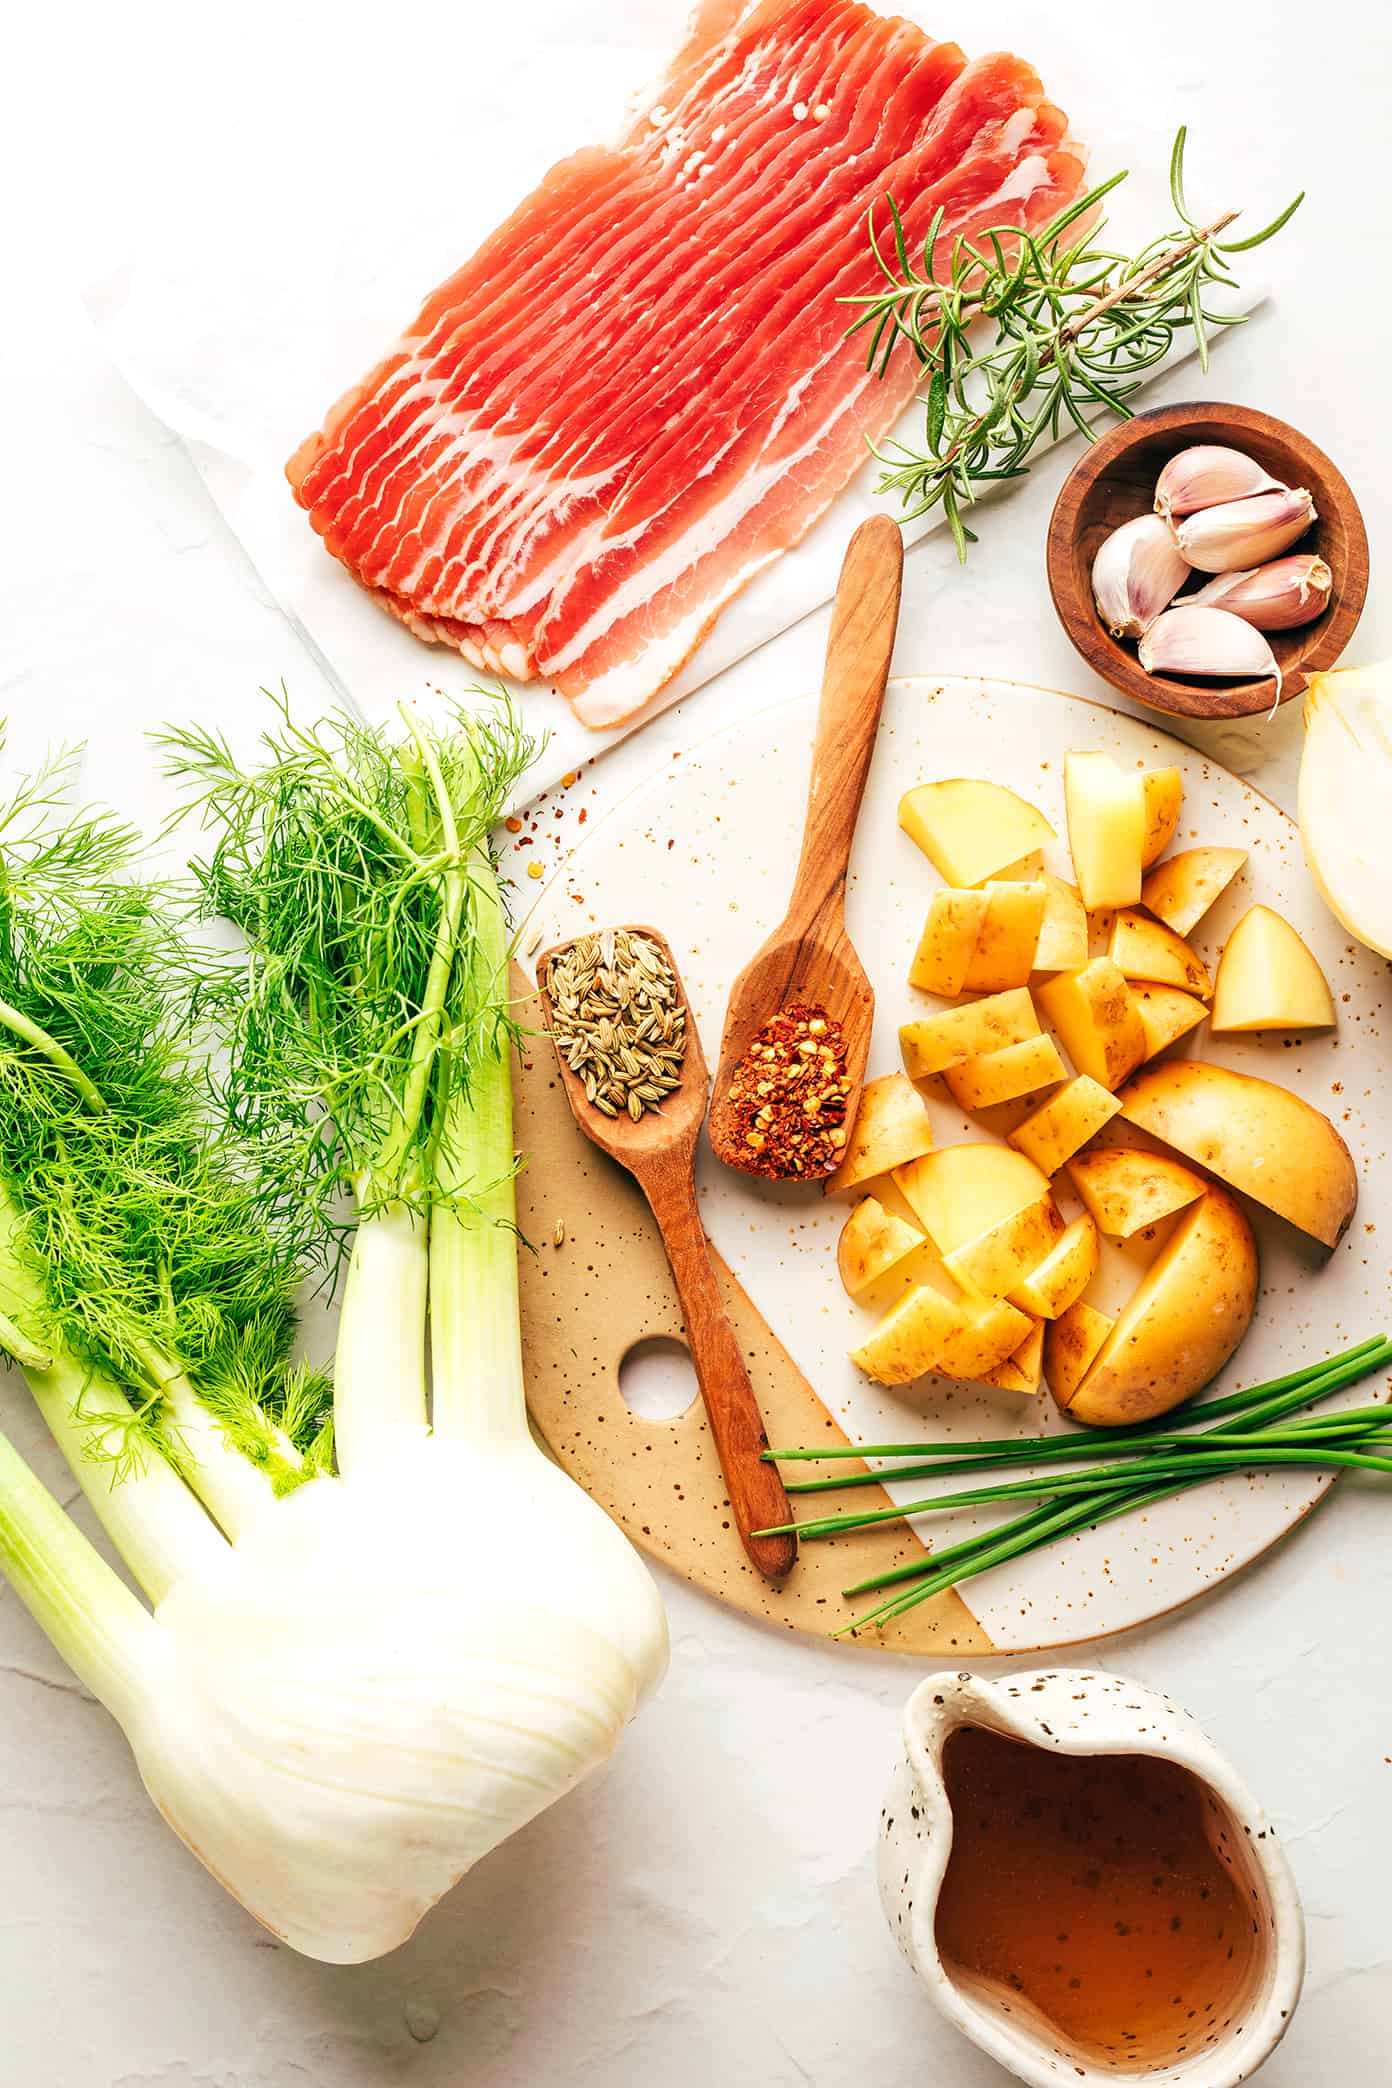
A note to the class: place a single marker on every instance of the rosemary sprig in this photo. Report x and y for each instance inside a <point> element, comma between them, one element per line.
<point>1077,326</point>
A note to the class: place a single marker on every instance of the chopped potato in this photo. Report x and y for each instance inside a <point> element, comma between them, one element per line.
<point>873,1241</point>
<point>1072,1343</point>
<point>1106,828</point>
<point>1022,1371</point>
<point>1166,1015</point>
<point>1126,1188</point>
<point>1003,1076</point>
<point>987,1331</point>
<point>1063,932</point>
<point>1094,1011</point>
<point>891,1126</point>
<point>1180,892</point>
<point>948,941</point>
<point>998,1259</point>
<point>1269,979</point>
<point>1163,791</point>
<point>1147,950</point>
<point>1064,1274</point>
<point>961,1191</point>
<point>970,831</point>
<point>935,1042</point>
<point>907,1342</point>
<point>1056,1130</point>
<point>1005,945</point>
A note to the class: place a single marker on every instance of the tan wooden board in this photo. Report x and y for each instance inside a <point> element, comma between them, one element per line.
<point>586,1304</point>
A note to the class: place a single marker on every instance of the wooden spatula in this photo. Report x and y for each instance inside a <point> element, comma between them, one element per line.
<point>659,1151</point>
<point>810,957</point>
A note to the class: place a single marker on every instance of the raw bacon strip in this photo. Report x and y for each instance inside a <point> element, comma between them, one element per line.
<point>639,390</point>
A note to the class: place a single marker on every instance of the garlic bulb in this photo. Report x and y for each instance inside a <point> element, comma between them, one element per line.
<point>1137,572</point>
<point>1277,597</point>
<point>1195,639</point>
<point>1207,475</point>
<point>1240,533</point>
<point>1345,778</point>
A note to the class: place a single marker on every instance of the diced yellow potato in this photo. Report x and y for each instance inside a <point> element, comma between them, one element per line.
<point>1106,828</point>
<point>1004,953</point>
<point>987,1331</point>
<point>873,1240</point>
<point>1064,1274</point>
<point>1094,1011</point>
<point>1071,1344</point>
<point>891,1126</point>
<point>970,831</point>
<point>949,937</point>
<point>1261,1138</point>
<point>1163,790</point>
<point>961,1191</point>
<point>1003,1076</point>
<point>998,1259</point>
<point>935,1042</point>
<point>907,1342</point>
<point>1180,892</point>
<point>1187,1315</point>
<point>1056,1130</point>
<point>1166,1015</point>
<point>1147,950</point>
<point>1126,1189</point>
<point>1269,979</point>
<point>1063,932</point>
<point>1022,1371</point>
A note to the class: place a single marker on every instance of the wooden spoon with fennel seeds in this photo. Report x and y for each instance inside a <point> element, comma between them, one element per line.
<point>658,1148</point>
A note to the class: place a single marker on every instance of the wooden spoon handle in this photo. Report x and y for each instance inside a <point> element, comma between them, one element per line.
<point>863,623</point>
<point>757,1499</point>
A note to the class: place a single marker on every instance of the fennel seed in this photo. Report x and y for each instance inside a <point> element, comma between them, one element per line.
<point>619,1022</point>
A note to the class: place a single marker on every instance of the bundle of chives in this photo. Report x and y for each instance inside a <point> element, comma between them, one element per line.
<point>1251,1432</point>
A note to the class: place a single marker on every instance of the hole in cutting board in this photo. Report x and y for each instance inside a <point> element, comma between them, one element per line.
<point>657,1378</point>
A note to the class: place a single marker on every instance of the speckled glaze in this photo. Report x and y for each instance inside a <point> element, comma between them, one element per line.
<point>1076,1712</point>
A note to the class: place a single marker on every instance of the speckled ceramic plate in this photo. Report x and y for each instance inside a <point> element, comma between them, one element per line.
<point>706,851</point>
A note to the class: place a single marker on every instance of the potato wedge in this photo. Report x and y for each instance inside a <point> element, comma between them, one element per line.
<point>1071,1343</point>
<point>1125,1188</point>
<point>1094,1011</point>
<point>1188,1314</point>
<point>1166,1016</point>
<point>1269,979</point>
<point>998,1259</point>
<point>1063,932</point>
<point>1064,1274</point>
<point>891,1126</point>
<point>961,1191</point>
<point>949,938</point>
<point>1022,1371</point>
<point>1056,1130</point>
<point>935,1042</point>
<point>907,1342</point>
<point>1005,945</point>
<point>1163,791</point>
<point>1180,892</point>
<point>1003,1076</point>
<point>1261,1138</point>
<point>987,1331</point>
<point>873,1240</point>
<point>1149,952</point>
<point>1106,828</point>
<point>970,831</point>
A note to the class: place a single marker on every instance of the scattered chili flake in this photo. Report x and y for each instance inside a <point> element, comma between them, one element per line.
<point>785,1108</point>
<point>513,824</point>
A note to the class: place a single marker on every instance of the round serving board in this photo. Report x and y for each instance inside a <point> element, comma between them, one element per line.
<point>706,852</point>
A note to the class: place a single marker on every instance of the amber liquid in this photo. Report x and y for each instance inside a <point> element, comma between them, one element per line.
<point>1095,1888</point>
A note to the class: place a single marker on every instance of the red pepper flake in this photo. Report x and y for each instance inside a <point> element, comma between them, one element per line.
<point>785,1108</point>
<point>513,825</point>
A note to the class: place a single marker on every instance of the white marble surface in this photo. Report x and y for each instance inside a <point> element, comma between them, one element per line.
<point>705,1910</point>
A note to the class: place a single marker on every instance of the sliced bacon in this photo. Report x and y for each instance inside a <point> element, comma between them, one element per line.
<point>639,390</point>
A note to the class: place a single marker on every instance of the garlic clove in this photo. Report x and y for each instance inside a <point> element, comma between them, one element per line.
<point>1277,597</point>
<point>1194,639</point>
<point>1207,475</point>
<point>1239,534</point>
<point>1137,572</point>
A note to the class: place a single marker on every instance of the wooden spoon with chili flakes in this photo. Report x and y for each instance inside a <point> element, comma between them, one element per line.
<point>804,999</point>
<point>658,1148</point>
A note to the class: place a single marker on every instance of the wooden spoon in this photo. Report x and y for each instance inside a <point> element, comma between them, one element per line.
<point>810,957</point>
<point>659,1151</point>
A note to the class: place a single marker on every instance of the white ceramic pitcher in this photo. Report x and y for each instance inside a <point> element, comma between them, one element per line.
<point>1075,1712</point>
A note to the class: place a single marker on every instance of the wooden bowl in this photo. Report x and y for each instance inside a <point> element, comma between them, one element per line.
<point>1115,481</point>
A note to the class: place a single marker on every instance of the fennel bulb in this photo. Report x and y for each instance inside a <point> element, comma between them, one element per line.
<point>1345,784</point>
<point>361,1667</point>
